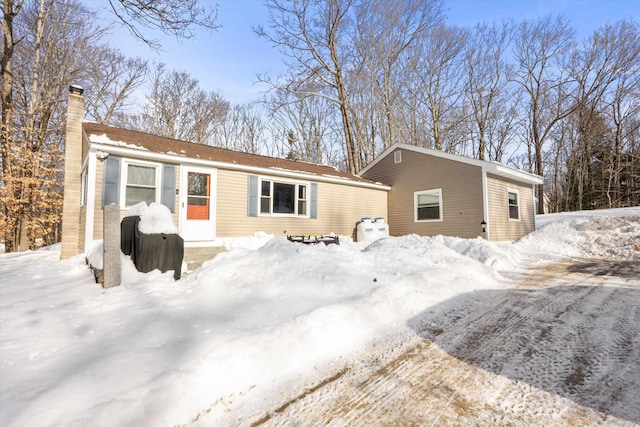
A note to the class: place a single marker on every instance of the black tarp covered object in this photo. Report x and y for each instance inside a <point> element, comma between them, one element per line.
<point>151,251</point>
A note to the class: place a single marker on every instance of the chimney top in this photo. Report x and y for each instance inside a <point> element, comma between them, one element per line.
<point>78,90</point>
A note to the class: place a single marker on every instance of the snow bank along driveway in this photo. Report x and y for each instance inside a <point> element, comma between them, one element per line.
<point>561,347</point>
<point>403,331</point>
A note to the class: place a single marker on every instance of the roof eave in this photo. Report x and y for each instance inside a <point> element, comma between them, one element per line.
<point>143,153</point>
<point>515,174</point>
<point>491,167</point>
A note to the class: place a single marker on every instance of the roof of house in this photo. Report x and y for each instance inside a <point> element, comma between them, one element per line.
<point>140,144</point>
<point>490,167</point>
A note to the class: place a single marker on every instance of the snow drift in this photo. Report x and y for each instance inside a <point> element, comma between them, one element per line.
<point>247,329</point>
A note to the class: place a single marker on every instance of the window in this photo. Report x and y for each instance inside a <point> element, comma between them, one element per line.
<point>198,195</point>
<point>397,156</point>
<point>265,197</point>
<point>127,182</point>
<point>514,209</point>
<point>141,183</point>
<point>283,198</point>
<point>84,187</point>
<point>302,199</point>
<point>428,205</point>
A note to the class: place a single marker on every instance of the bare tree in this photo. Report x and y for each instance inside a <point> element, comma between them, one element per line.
<point>111,80</point>
<point>486,91</point>
<point>437,62</point>
<point>172,17</point>
<point>311,35</point>
<point>594,66</point>
<point>178,108</point>
<point>559,162</point>
<point>385,31</point>
<point>254,129</point>
<point>539,47</point>
<point>243,129</point>
<point>623,107</point>
<point>305,126</point>
<point>604,69</point>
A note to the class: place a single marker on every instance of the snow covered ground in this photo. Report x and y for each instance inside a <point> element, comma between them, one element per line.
<point>252,328</point>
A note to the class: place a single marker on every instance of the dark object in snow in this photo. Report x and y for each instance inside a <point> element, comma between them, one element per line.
<point>313,240</point>
<point>130,236</point>
<point>98,274</point>
<point>151,251</point>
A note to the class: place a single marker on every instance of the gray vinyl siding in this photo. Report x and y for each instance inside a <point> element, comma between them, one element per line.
<point>339,208</point>
<point>461,186</point>
<point>500,226</point>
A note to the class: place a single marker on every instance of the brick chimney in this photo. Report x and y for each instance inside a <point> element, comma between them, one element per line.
<point>72,173</point>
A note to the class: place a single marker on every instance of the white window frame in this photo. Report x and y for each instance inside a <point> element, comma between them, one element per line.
<point>397,156</point>
<point>517,193</point>
<point>297,185</point>
<point>436,191</point>
<point>124,172</point>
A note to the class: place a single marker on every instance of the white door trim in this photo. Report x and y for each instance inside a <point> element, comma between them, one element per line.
<point>197,230</point>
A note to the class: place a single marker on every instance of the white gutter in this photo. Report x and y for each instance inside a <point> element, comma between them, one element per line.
<point>91,199</point>
<point>518,175</point>
<point>175,158</point>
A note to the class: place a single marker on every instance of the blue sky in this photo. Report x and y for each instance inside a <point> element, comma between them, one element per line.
<point>229,59</point>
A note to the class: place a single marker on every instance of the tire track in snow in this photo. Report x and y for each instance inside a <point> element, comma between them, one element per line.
<point>562,348</point>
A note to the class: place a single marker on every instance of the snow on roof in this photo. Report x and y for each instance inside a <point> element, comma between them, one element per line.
<point>217,157</point>
<point>104,139</point>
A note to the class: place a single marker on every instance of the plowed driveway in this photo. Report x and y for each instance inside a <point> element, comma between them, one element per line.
<point>560,348</point>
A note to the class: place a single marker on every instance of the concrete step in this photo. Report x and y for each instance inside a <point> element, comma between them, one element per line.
<point>195,257</point>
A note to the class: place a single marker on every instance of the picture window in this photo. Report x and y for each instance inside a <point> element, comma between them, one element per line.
<point>283,198</point>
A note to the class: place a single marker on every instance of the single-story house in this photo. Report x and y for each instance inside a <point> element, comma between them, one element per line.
<point>212,192</point>
<point>433,192</point>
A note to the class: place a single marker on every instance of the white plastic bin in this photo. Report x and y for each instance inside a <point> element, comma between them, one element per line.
<point>382,228</point>
<point>366,230</point>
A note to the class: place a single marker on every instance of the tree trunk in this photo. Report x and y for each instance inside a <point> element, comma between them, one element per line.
<point>540,189</point>
<point>353,156</point>
<point>11,9</point>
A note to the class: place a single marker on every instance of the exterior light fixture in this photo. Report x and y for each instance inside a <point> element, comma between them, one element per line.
<point>101,155</point>
<point>484,226</point>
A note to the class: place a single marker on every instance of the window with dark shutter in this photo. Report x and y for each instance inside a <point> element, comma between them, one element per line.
<point>284,198</point>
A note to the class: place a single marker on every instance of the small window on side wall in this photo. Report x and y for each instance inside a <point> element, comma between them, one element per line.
<point>514,207</point>
<point>428,205</point>
<point>397,156</point>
